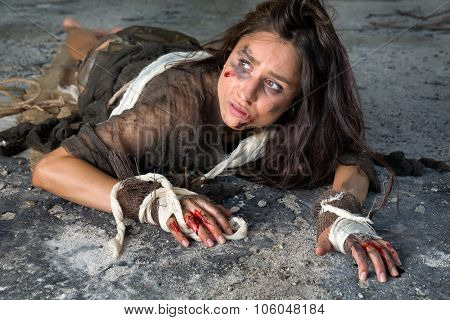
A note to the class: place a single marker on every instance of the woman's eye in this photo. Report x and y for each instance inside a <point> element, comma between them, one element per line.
<point>273,85</point>
<point>244,64</point>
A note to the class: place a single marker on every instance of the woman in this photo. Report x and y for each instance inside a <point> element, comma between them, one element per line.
<point>281,75</point>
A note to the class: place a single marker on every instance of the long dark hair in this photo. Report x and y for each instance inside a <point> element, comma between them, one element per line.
<point>325,120</point>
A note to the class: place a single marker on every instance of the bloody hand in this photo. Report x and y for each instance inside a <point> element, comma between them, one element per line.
<point>379,252</point>
<point>205,218</point>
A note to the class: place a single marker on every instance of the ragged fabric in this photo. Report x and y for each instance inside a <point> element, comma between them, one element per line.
<point>169,205</point>
<point>127,53</point>
<point>411,167</point>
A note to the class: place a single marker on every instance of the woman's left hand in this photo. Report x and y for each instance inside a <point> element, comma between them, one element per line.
<point>382,255</point>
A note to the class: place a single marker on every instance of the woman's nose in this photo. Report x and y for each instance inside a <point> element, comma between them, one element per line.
<point>248,90</point>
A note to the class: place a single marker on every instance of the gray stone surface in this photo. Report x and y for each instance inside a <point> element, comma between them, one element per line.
<point>53,249</point>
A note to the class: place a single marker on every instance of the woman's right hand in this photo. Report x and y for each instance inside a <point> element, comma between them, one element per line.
<point>208,220</point>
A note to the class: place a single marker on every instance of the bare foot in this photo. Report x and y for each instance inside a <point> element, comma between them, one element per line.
<point>70,23</point>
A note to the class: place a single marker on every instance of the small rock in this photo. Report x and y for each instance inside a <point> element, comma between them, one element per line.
<point>234,209</point>
<point>363,284</point>
<point>58,212</point>
<point>249,195</point>
<point>289,201</point>
<point>7,216</point>
<point>419,292</point>
<point>4,172</point>
<point>55,209</point>
<point>27,205</point>
<point>394,199</point>
<point>420,209</point>
<point>2,185</point>
<point>280,246</point>
<point>360,295</point>
<point>294,283</point>
<point>241,204</point>
<point>262,203</point>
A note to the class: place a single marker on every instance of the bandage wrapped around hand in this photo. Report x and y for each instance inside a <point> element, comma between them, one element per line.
<point>342,213</point>
<point>131,195</point>
<point>153,199</point>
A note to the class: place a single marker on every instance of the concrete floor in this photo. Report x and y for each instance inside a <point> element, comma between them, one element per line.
<point>53,249</point>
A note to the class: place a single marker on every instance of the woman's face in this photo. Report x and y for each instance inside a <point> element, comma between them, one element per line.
<point>258,82</point>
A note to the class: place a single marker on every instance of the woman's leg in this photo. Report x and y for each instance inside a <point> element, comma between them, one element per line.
<point>80,39</point>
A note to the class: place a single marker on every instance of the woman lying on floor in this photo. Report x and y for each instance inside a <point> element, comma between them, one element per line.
<point>275,98</point>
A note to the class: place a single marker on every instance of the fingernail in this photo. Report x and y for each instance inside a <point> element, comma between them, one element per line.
<point>394,272</point>
<point>382,277</point>
<point>185,243</point>
<point>210,243</point>
<point>221,239</point>
<point>363,276</point>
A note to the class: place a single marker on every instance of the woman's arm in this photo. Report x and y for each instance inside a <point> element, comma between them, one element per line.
<point>80,182</point>
<point>348,178</point>
<point>74,179</point>
<point>379,252</point>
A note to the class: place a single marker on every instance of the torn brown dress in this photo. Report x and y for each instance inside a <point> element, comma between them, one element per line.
<point>174,127</point>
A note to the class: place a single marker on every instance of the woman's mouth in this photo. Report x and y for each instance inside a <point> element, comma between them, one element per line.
<point>237,111</point>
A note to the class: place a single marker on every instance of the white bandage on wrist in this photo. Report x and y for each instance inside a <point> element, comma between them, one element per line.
<point>343,227</point>
<point>346,224</point>
<point>168,205</point>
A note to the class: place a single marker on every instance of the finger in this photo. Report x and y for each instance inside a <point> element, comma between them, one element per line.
<point>360,256</point>
<point>175,230</point>
<point>376,260</point>
<point>196,226</point>
<point>210,225</point>
<point>323,243</point>
<point>226,212</point>
<point>217,213</point>
<point>391,250</point>
<point>208,222</point>
<point>388,261</point>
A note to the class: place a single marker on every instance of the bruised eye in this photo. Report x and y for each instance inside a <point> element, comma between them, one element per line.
<point>244,64</point>
<point>273,85</point>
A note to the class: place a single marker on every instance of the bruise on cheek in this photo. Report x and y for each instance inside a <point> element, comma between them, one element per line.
<point>236,70</point>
